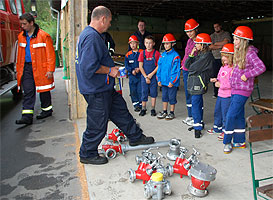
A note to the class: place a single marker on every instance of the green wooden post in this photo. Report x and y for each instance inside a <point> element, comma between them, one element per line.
<point>252,171</point>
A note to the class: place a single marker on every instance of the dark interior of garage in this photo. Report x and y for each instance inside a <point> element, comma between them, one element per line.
<point>169,16</point>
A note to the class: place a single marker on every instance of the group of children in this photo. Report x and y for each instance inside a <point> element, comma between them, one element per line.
<point>147,70</point>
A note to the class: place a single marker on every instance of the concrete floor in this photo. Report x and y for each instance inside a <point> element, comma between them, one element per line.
<point>233,179</point>
<point>39,161</point>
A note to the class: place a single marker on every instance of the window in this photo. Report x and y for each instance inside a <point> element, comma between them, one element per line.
<point>19,7</point>
<point>13,7</point>
<point>2,5</point>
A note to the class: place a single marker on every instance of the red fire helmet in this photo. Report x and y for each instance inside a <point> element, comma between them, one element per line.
<point>243,32</point>
<point>168,38</point>
<point>133,38</point>
<point>228,48</point>
<point>190,25</point>
<point>203,38</point>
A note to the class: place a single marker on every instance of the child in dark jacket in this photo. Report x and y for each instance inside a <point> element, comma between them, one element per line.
<point>132,66</point>
<point>200,68</point>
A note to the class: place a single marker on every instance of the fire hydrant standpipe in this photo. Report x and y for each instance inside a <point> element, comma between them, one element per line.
<point>110,151</point>
<point>157,187</point>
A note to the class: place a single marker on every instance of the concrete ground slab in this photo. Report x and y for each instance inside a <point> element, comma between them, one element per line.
<point>233,178</point>
<point>40,161</point>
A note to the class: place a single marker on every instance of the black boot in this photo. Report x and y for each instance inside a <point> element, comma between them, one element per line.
<point>24,120</point>
<point>44,114</point>
<point>197,133</point>
<point>97,160</point>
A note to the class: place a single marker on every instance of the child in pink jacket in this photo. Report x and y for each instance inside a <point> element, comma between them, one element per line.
<point>224,93</point>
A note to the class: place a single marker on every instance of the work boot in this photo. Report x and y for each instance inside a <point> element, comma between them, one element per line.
<point>97,160</point>
<point>24,120</point>
<point>197,133</point>
<point>44,114</point>
<point>143,140</point>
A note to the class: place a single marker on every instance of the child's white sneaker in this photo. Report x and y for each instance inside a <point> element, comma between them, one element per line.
<point>211,131</point>
<point>221,136</point>
<point>162,115</point>
<point>227,148</point>
<point>170,116</point>
<point>189,121</point>
<point>239,145</point>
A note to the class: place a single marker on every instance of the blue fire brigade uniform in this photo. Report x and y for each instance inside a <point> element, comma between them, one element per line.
<point>131,62</point>
<point>149,65</point>
<point>220,112</point>
<point>200,71</point>
<point>169,72</point>
<point>98,90</point>
<point>236,123</point>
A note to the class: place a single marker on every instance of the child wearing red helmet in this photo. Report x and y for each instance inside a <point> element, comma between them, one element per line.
<point>191,30</point>
<point>168,76</point>
<point>132,66</point>
<point>200,68</point>
<point>224,93</point>
<point>247,65</point>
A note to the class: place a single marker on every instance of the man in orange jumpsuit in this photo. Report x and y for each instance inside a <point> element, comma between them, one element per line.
<point>35,67</point>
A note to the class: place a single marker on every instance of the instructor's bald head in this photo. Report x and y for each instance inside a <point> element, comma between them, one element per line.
<point>99,12</point>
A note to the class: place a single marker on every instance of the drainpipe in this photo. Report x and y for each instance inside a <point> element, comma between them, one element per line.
<point>58,27</point>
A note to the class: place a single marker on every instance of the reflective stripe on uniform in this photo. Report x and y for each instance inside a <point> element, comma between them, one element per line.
<point>39,45</point>
<point>239,130</point>
<point>202,82</point>
<point>23,44</point>
<point>214,126</point>
<point>189,105</point>
<point>228,132</point>
<point>135,103</point>
<point>47,109</point>
<point>44,87</point>
<point>197,124</point>
<point>27,111</point>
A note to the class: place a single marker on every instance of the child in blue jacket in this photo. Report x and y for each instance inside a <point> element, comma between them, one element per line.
<point>168,76</point>
<point>132,66</point>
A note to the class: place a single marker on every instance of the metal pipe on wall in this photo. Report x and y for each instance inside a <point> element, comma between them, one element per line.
<point>58,28</point>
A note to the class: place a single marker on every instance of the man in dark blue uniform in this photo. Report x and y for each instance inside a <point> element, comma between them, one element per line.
<point>141,34</point>
<point>95,72</point>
